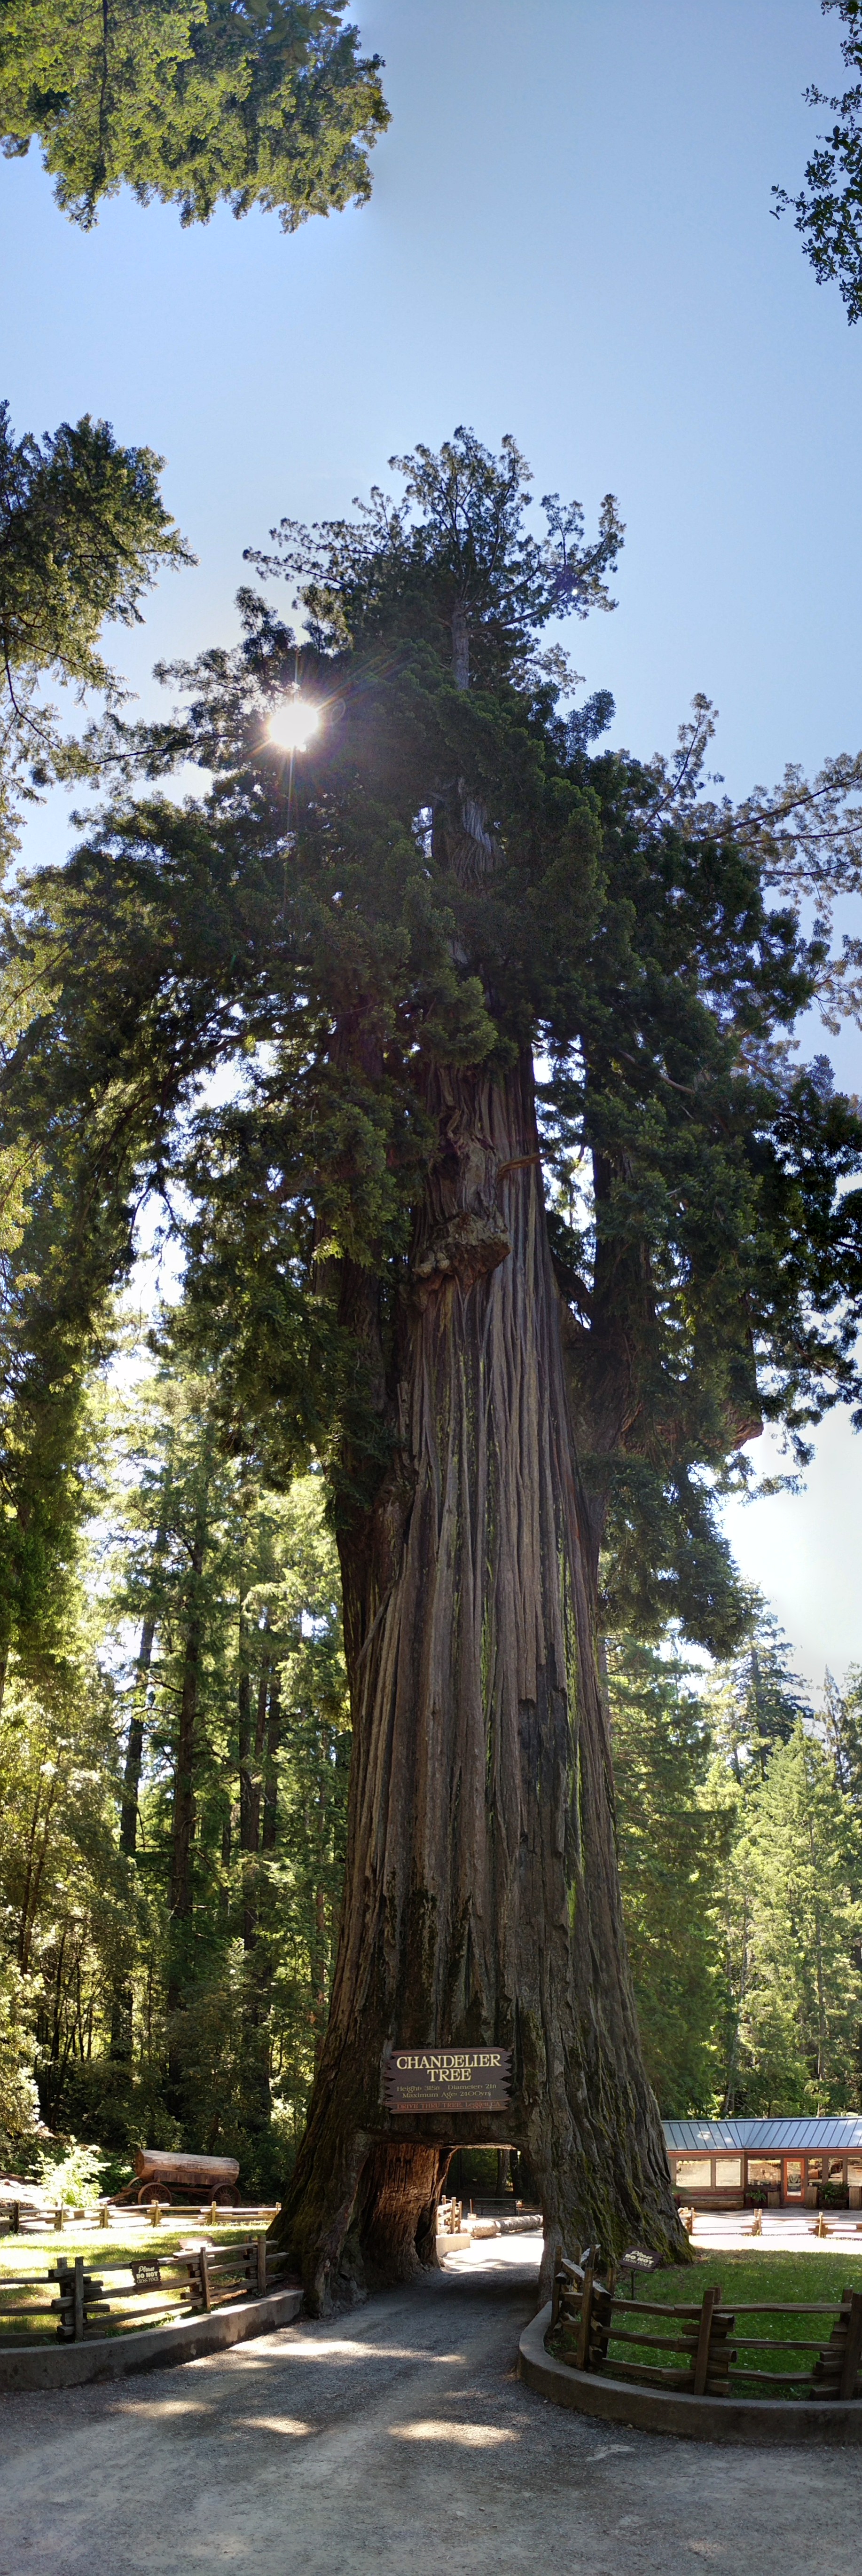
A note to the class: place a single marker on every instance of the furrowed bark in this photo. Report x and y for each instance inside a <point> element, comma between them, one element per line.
<point>481,1900</point>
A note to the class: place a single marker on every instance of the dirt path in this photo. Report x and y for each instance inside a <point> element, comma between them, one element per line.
<point>397,2442</point>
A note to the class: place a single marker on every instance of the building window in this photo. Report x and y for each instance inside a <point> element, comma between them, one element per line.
<point>765,2169</point>
<point>728,2172</point>
<point>815,2168</point>
<point>836,2169</point>
<point>854,2170</point>
<point>693,2173</point>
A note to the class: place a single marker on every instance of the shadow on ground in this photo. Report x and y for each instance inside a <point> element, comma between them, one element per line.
<point>396,2441</point>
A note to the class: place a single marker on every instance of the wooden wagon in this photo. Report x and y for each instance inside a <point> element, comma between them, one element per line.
<point>163,2175</point>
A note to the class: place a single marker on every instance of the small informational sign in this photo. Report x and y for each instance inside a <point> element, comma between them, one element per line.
<point>146,2276</point>
<point>448,2079</point>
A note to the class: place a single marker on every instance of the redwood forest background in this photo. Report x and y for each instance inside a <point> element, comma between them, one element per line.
<point>739,1817</point>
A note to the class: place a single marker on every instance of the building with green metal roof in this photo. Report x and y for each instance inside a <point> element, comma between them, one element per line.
<point>796,2162</point>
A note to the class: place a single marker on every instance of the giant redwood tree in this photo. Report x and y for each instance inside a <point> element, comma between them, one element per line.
<point>515,1210</point>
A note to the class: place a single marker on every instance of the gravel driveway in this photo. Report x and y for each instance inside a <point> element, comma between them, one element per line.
<point>398,2442</point>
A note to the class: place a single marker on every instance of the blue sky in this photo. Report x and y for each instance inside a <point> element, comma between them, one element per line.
<point>570,237</point>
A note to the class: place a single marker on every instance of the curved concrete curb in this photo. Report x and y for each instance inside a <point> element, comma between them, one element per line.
<point>112,2356</point>
<point>699,2419</point>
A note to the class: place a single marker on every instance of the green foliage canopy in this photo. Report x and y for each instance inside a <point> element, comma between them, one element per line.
<point>673,1844</point>
<point>794,1920</point>
<point>304,926</point>
<point>196,2024</point>
<point>259,102</point>
<point>83,533</point>
<point>740,1850</point>
<point>828,209</point>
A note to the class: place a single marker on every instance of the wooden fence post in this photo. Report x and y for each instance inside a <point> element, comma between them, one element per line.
<point>78,2301</point>
<point>582,2356</point>
<point>203,2267</point>
<point>261,2264</point>
<point>602,2322</point>
<point>63,2304</point>
<point>853,2345</point>
<point>711,2299</point>
<point>839,2358</point>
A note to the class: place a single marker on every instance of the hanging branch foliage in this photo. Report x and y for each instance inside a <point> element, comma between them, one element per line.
<point>828,209</point>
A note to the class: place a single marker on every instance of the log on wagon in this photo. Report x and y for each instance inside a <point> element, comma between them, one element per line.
<point>163,2175</point>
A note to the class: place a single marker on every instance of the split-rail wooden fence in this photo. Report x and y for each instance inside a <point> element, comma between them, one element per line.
<point>192,2282</point>
<point>21,2218</point>
<point>701,2346</point>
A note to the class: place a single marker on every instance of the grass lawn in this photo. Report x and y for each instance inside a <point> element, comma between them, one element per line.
<point>746,2281</point>
<point>747,2277</point>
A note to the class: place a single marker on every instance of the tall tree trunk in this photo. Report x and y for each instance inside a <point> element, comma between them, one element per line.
<point>257,1981</point>
<point>135,1744</point>
<point>319,1961</point>
<point>226,1855</point>
<point>245,1796</point>
<point>182,1834</point>
<point>251,1747</point>
<point>481,1899</point>
<point>137,1722</point>
<point>184,1792</point>
<point>122,2000</point>
<point>270,1777</point>
<point>36,1856</point>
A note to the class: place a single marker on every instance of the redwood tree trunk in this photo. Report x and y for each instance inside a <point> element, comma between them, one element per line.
<point>481,1899</point>
<point>183,1821</point>
<point>137,1721</point>
<point>135,1743</point>
<point>270,1777</point>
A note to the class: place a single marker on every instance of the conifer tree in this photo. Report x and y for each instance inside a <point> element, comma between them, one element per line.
<point>794,1893</point>
<point>378,937</point>
<point>766,1701</point>
<point>83,533</point>
<point>843,1719</point>
<point>259,102</point>
<point>673,1838</point>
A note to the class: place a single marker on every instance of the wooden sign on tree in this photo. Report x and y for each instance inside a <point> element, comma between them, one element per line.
<point>448,2079</point>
